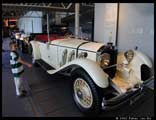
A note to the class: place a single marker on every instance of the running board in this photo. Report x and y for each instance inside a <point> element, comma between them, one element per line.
<point>55,71</point>
<point>44,65</point>
<point>51,71</point>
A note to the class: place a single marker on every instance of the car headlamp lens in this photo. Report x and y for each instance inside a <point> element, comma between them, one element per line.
<point>129,55</point>
<point>104,60</point>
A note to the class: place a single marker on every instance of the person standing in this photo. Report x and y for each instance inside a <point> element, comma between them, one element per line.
<point>17,69</point>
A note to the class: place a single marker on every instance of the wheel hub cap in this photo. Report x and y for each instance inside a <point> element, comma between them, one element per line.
<point>83,93</point>
<point>79,94</point>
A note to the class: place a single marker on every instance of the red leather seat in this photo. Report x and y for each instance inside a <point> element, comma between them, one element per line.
<point>44,37</point>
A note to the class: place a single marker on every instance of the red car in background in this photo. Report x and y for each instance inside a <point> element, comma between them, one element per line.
<point>44,37</point>
<point>58,32</point>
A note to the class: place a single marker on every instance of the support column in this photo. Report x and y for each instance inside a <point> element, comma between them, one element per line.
<point>77,8</point>
<point>32,26</point>
<point>48,26</point>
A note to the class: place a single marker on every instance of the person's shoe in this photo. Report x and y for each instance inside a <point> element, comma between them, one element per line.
<point>21,95</point>
<point>24,91</point>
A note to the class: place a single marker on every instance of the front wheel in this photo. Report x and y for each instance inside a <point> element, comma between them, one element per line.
<point>85,93</point>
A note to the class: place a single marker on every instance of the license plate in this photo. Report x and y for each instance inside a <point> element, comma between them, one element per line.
<point>134,99</point>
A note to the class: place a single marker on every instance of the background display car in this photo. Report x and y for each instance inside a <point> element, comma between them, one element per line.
<point>22,40</point>
<point>102,78</point>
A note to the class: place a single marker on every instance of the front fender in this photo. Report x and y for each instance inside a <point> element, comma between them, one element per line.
<point>36,50</point>
<point>139,59</point>
<point>99,77</point>
<point>143,59</point>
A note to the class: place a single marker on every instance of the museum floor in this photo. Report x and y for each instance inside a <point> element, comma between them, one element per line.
<point>50,96</point>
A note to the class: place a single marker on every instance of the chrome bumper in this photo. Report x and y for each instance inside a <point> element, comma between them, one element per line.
<point>129,97</point>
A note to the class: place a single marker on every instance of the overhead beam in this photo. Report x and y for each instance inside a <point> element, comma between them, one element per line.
<point>43,4</point>
<point>63,5</point>
<point>37,6</point>
<point>69,5</point>
<point>22,16</point>
<point>88,5</point>
<point>33,8</point>
<point>49,4</point>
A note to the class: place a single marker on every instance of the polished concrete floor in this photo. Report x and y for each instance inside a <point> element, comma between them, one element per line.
<point>50,96</point>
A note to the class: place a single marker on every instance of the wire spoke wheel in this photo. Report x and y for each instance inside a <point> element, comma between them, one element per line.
<point>83,93</point>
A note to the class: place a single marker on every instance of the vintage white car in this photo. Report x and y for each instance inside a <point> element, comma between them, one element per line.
<point>102,78</point>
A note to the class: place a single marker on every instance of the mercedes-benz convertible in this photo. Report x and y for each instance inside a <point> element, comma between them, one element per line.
<point>102,78</point>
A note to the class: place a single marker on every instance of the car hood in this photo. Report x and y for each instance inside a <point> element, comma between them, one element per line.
<point>75,43</point>
<point>91,46</point>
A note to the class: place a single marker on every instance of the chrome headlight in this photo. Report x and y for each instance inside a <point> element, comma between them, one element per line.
<point>104,60</point>
<point>129,55</point>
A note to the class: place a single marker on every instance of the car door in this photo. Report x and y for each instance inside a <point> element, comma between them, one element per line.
<point>53,56</point>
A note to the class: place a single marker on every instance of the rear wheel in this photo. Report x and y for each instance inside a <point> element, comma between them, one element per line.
<point>85,93</point>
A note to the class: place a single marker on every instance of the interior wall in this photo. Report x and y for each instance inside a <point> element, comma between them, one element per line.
<point>136,27</point>
<point>31,24</point>
<point>105,18</point>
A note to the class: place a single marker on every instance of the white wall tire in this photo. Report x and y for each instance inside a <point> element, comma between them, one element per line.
<point>85,93</point>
